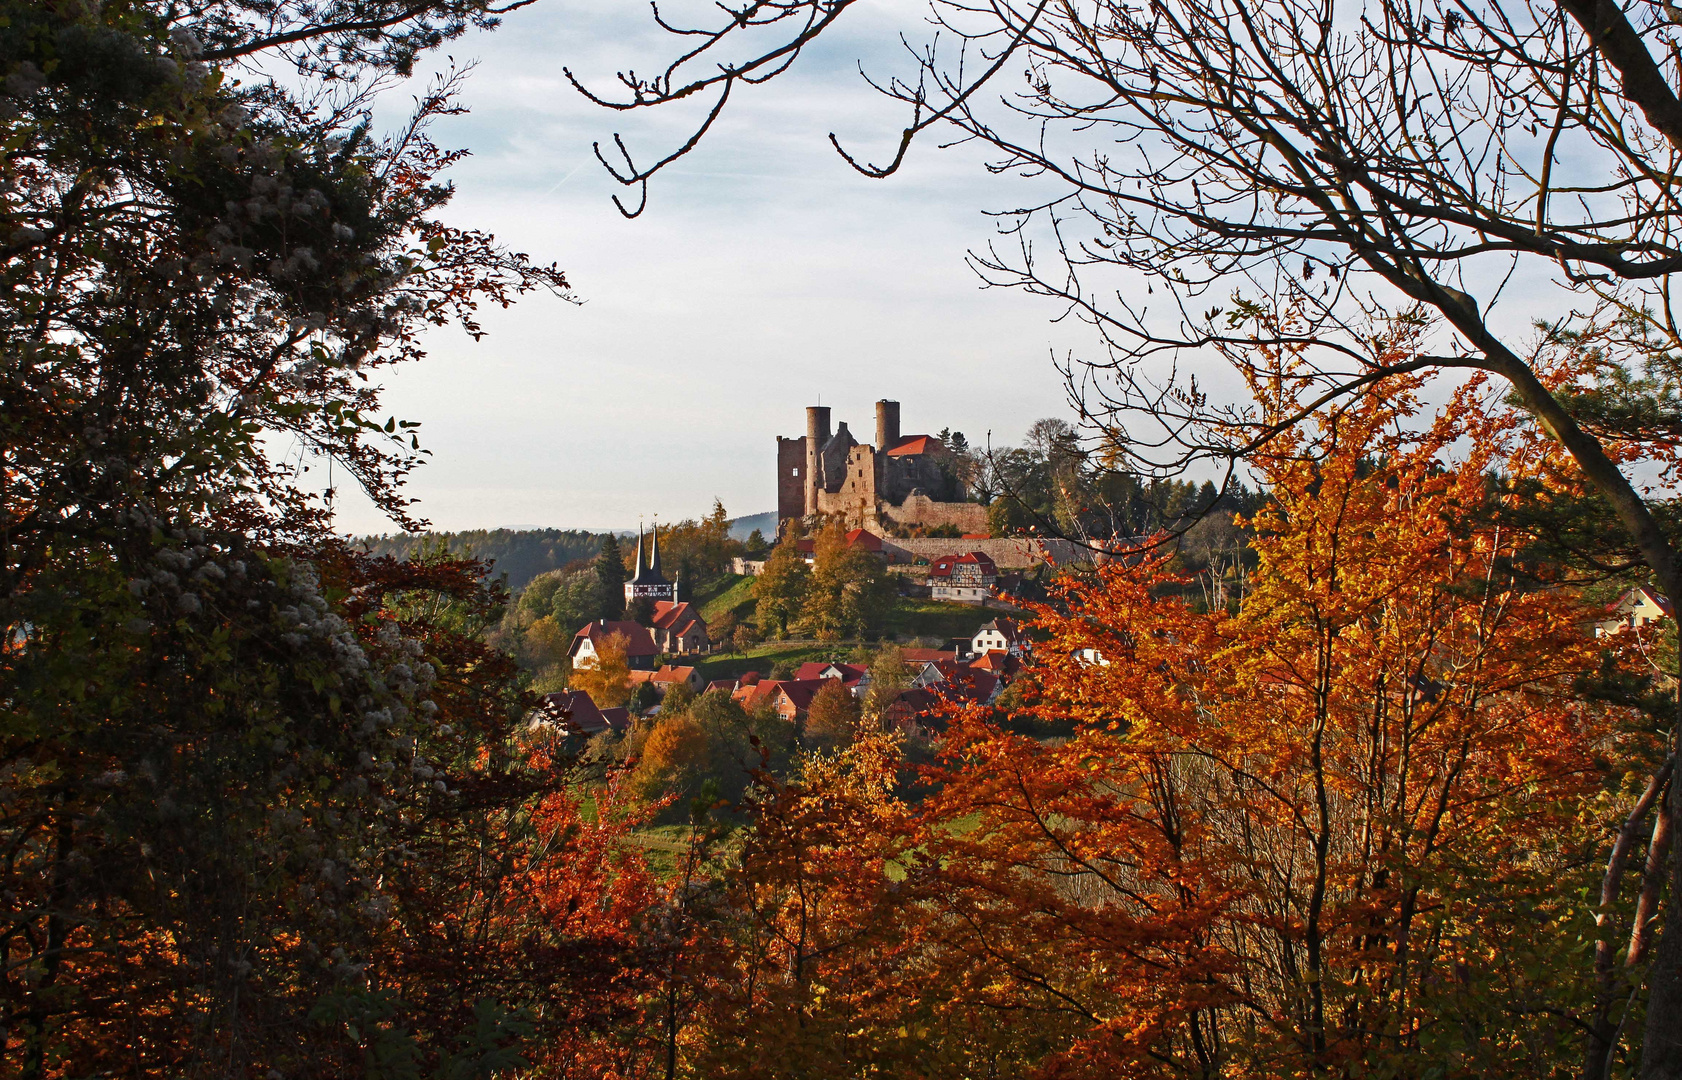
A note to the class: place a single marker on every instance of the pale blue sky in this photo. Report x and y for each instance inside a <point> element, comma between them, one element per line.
<point>765,273</point>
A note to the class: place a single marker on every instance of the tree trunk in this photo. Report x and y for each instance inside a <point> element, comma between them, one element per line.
<point>1661,1044</point>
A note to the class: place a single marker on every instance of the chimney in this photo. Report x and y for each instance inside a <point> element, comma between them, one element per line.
<point>817,433</point>
<point>887,425</point>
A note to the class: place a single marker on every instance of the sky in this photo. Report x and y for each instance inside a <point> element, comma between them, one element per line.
<point>766,275</point>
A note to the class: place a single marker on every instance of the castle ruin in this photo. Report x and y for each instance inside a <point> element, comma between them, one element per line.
<point>899,482</point>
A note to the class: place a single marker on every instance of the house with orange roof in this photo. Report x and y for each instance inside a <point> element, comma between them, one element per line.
<point>791,699</point>
<point>667,677</point>
<point>678,629</point>
<point>1000,664</point>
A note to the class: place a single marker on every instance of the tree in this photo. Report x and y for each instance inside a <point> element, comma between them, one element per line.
<point>518,556</point>
<point>546,643</point>
<point>887,681</point>
<point>674,761</point>
<point>610,579</point>
<point>1360,695</point>
<point>223,730</point>
<point>848,592</point>
<point>574,602</point>
<point>832,720</point>
<point>608,680</point>
<point>698,551</point>
<point>678,697</point>
<point>1341,166</point>
<point>780,588</point>
<point>722,630</point>
<point>815,952</point>
<point>1344,830</point>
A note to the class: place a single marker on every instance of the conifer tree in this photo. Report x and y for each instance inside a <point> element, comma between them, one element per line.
<point>610,579</point>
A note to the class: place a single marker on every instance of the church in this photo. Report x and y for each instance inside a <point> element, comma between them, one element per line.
<point>646,581</point>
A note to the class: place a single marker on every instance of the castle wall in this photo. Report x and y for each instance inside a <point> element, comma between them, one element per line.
<point>1006,554</point>
<point>863,485</point>
<point>791,478</point>
<point>921,510</point>
<point>900,476</point>
<point>853,498</point>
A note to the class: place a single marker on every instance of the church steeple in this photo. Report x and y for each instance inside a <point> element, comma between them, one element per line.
<point>646,579</point>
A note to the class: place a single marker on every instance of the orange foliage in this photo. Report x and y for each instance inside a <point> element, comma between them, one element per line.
<point>608,680</point>
<point>1347,829</point>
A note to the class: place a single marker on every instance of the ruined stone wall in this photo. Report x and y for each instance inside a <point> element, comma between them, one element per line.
<point>1006,554</point>
<point>900,476</point>
<point>791,478</point>
<point>854,496</point>
<point>924,511</point>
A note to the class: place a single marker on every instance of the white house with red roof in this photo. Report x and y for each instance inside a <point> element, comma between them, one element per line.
<point>640,650</point>
<point>968,578</point>
<point>1000,635</point>
<point>1636,608</point>
<point>853,676</point>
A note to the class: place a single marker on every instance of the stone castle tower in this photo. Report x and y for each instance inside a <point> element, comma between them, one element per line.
<point>905,480</point>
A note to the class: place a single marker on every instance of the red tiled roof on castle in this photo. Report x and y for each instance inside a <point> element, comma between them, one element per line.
<point>864,540</point>
<point>916,444</point>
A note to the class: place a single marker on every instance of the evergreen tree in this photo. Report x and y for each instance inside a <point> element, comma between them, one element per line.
<point>610,579</point>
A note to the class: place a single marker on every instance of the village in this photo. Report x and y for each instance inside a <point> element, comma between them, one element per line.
<point>880,497</point>
<point>496,584</point>
<point>889,497</point>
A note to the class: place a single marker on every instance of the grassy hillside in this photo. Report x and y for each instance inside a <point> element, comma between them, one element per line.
<point>728,592</point>
<point>938,620</point>
<point>934,621</point>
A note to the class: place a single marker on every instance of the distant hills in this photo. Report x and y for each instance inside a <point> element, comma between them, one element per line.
<point>518,555</point>
<point>766,523</point>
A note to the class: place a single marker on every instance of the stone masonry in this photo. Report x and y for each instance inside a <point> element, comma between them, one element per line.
<point>908,480</point>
